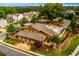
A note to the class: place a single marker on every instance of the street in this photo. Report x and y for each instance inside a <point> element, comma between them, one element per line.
<point>11,52</point>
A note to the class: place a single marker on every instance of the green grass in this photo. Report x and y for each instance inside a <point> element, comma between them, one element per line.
<point>33,48</point>
<point>47,53</point>
<point>72,46</point>
<point>10,41</point>
<point>2,53</point>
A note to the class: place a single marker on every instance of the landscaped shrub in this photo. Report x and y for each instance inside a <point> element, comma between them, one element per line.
<point>56,39</point>
<point>38,44</point>
<point>33,48</point>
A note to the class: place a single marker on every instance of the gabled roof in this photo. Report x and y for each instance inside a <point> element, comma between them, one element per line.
<point>31,35</point>
<point>42,28</point>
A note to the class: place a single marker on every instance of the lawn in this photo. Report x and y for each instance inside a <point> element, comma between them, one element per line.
<point>72,47</point>
<point>10,41</point>
<point>2,53</point>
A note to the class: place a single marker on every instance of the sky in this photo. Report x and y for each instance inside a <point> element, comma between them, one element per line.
<point>34,4</point>
<point>71,4</point>
<point>20,4</point>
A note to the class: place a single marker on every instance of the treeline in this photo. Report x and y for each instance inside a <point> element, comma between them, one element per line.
<point>50,10</point>
<point>12,10</point>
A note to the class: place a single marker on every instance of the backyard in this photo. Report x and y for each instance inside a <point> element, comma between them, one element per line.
<point>53,52</point>
<point>72,46</point>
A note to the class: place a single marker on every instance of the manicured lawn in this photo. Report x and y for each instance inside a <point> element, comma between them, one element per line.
<point>10,41</point>
<point>2,53</point>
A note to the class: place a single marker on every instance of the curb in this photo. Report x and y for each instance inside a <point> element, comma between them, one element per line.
<point>29,52</point>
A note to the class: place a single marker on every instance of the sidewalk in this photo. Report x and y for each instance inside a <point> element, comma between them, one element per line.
<point>25,52</point>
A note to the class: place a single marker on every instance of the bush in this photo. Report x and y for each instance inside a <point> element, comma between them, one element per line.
<point>56,39</point>
<point>33,48</point>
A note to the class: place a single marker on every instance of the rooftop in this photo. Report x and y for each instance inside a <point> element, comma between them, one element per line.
<point>43,28</point>
<point>31,35</point>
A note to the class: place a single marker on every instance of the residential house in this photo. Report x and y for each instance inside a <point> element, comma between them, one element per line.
<point>3,23</point>
<point>70,11</point>
<point>48,30</point>
<point>29,15</point>
<point>30,37</point>
<point>17,17</point>
<point>44,21</point>
<point>9,18</point>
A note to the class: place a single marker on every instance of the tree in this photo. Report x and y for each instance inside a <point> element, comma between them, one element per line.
<point>2,14</point>
<point>50,11</point>
<point>73,22</point>
<point>56,39</point>
<point>38,44</point>
<point>69,15</point>
<point>11,28</point>
<point>74,25</point>
<point>34,19</point>
<point>23,21</point>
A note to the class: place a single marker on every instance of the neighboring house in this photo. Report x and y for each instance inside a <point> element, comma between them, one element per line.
<point>14,17</point>
<point>3,23</point>
<point>29,15</point>
<point>9,18</point>
<point>17,17</point>
<point>70,11</point>
<point>77,20</point>
<point>44,21</point>
<point>30,37</point>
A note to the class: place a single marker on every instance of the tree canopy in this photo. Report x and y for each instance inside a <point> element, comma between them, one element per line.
<point>11,28</point>
<point>50,11</point>
<point>34,19</point>
<point>22,22</point>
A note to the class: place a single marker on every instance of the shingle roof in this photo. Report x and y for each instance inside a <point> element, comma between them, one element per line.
<point>31,35</point>
<point>43,28</point>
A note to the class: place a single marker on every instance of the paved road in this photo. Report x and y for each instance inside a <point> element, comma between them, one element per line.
<point>2,35</point>
<point>10,52</point>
